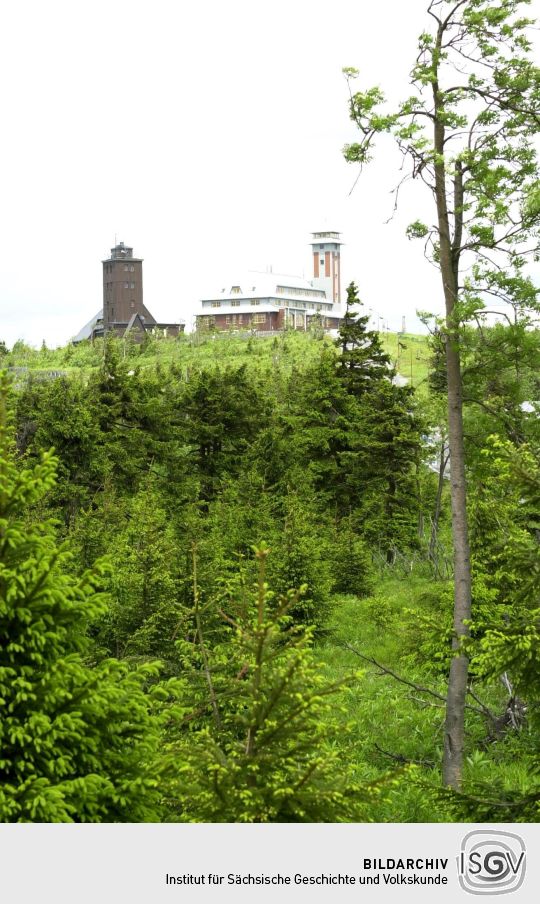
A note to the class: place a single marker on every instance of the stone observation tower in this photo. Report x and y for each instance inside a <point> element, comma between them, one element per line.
<point>123,312</point>
<point>123,288</point>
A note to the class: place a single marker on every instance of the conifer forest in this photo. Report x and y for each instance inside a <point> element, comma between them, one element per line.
<point>296,578</point>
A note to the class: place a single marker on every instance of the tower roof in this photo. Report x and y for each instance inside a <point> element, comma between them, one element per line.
<point>122,252</point>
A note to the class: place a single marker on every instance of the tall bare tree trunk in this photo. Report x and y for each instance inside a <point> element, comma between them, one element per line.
<point>459,668</point>
<point>450,248</point>
<point>443,461</point>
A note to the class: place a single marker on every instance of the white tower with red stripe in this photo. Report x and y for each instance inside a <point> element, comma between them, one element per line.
<point>326,247</point>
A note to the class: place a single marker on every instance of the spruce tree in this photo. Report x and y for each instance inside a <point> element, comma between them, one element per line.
<point>363,361</point>
<point>382,436</point>
<point>299,559</point>
<point>252,743</point>
<point>218,416</point>
<point>60,413</point>
<point>127,406</point>
<point>76,743</point>
<point>352,568</point>
<point>146,611</point>
<point>380,470</point>
<point>317,426</point>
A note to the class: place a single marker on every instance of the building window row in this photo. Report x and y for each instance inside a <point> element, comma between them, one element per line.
<point>129,285</point>
<point>305,304</point>
<point>129,268</point>
<point>236,303</point>
<point>293,290</point>
<point>237,319</point>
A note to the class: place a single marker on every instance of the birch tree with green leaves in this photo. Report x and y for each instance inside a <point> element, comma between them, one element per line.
<point>467,133</point>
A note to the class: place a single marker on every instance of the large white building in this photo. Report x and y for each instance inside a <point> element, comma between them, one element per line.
<point>272,301</point>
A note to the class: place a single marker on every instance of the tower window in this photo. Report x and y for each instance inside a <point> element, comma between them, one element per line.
<point>126,285</point>
<point>126,267</point>
<point>132,285</point>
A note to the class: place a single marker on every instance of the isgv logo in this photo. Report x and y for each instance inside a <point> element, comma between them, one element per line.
<point>491,862</point>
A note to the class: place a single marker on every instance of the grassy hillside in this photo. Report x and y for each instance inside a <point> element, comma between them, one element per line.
<point>289,350</point>
<point>394,722</point>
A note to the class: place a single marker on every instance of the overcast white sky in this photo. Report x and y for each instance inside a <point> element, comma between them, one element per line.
<point>208,136</point>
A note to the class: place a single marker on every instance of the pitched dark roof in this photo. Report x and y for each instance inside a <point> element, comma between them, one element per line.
<point>88,328</point>
<point>136,322</point>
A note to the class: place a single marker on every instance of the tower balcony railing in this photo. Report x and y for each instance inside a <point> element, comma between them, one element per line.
<point>122,255</point>
<point>326,235</point>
